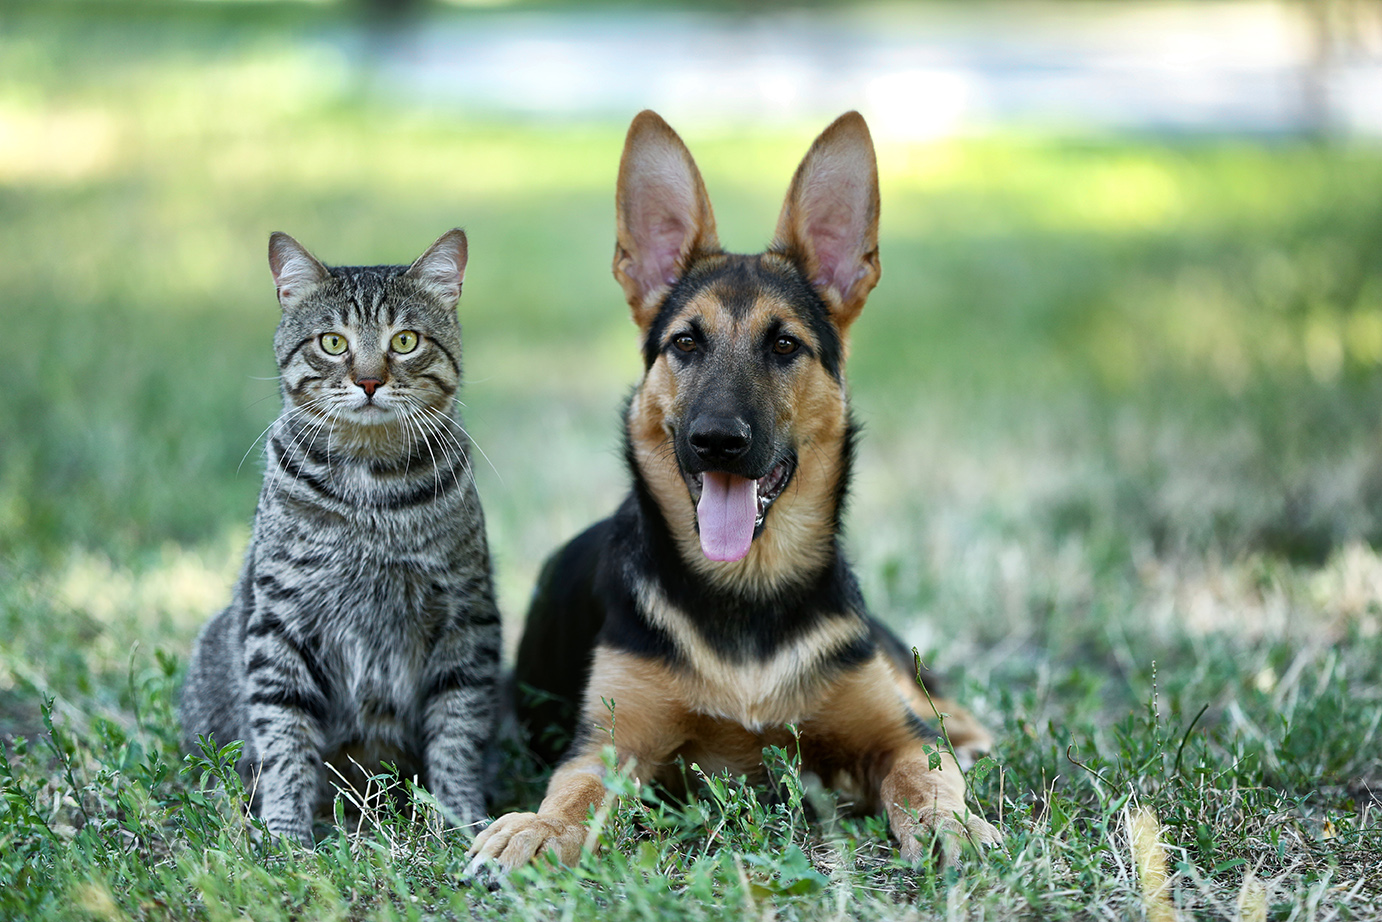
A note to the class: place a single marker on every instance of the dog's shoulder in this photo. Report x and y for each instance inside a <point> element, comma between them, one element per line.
<point>564,617</point>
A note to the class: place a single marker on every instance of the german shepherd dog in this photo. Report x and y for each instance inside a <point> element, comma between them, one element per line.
<point>715,607</point>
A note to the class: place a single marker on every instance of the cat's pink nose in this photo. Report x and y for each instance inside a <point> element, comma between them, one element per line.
<point>368,385</point>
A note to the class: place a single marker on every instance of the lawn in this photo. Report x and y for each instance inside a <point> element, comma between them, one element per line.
<point>1121,480</point>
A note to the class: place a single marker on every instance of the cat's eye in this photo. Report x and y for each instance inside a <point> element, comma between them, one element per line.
<point>333,343</point>
<point>685,342</point>
<point>404,341</point>
<point>786,345</point>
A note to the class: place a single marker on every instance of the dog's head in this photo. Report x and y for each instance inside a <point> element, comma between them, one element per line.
<point>740,425</point>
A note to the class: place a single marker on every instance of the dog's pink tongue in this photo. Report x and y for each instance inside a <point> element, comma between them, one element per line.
<point>727,512</point>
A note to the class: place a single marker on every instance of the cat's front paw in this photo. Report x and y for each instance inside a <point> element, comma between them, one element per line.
<point>286,820</point>
<point>290,835</point>
<point>515,839</point>
<point>462,810</point>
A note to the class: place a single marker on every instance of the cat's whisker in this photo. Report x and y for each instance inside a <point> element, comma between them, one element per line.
<point>411,436</point>
<point>422,420</point>
<point>470,438</point>
<point>254,403</point>
<point>434,414</point>
<point>256,441</point>
<point>282,417</point>
<point>326,425</point>
<point>411,433</point>
<point>304,437</point>
<point>436,469</point>
<point>436,473</point>
<point>414,433</point>
<point>330,422</point>
<point>449,438</point>
<point>457,469</point>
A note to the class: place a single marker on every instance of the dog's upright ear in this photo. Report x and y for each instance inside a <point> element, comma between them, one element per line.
<point>662,212</point>
<point>829,222</point>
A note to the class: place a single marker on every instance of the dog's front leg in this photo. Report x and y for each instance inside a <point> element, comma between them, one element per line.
<point>557,828</point>
<point>865,724</point>
<point>629,702</point>
<point>919,798</point>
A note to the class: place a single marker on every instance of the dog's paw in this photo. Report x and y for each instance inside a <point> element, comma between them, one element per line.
<point>515,839</point>
<point>944,835</point>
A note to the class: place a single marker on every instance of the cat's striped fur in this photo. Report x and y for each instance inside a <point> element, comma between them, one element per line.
<point>363,626</point>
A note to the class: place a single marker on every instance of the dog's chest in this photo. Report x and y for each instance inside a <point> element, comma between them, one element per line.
<point>771,692</point>
<point>772,689</point>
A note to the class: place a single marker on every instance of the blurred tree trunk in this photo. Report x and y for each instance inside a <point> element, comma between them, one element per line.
<point>1341,32</point>
<point>389,30</point>
<point>390,9</point>
<point>390,14</point>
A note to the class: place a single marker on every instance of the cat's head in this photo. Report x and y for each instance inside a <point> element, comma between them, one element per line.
<point>369,346</point>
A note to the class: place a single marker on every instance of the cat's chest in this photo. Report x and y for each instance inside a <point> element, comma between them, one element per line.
<point>381,609</point>
<point>374,611</point>
<point>372,597</point>
<point>349,511</point>
<point>378,637</point>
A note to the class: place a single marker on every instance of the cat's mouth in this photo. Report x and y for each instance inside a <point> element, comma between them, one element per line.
<point>372,409</point>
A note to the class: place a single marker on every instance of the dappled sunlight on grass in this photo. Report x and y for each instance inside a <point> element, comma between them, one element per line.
<point>991,538</point>
<point>1115,190</point>
<point>176,589</point>
<point>1349,588</point>
<point>46,147</point>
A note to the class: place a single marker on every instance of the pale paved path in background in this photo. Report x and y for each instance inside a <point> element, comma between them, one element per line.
<point>918,70</point>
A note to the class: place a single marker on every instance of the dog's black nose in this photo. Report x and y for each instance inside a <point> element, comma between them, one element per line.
<point>719,439</point>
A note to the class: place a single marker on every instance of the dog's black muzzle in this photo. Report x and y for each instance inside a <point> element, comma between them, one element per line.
<point>719,441</point>
<point>730,443</point>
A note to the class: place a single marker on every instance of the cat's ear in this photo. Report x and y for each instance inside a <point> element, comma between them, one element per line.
<point>295,270</point>
<point>829,222</point>
<point>662,212</point>
<point>441,270</point>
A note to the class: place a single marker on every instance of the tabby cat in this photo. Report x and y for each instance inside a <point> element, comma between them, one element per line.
<point>363,627</point>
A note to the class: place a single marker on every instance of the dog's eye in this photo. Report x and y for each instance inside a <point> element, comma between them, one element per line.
<point>685,342</point>
<point>786,345</point>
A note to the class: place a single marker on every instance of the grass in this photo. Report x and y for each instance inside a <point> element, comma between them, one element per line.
<point>1120,480</point>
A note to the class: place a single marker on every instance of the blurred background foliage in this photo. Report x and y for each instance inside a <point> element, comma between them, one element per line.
<point>1110,377</point>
